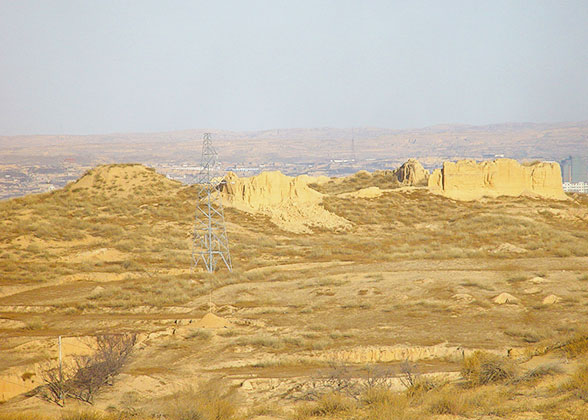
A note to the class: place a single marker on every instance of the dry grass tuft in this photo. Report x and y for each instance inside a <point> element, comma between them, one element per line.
<point>578,384</point>
<point>328,405</point>
<point>447,401</point>
<point>382,179</point>
<point>200,334</point>
<point>420,387</point>
<point>577,346</point>
<point>535,374</point>
<point>484,368</point>
<point>210,401</point>
<point>381,403</point>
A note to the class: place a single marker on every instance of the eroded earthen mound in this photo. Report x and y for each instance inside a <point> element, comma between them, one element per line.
<point>551,299</point>
<point>290,202</point>
<point>412,173</point>
<point>470,180</point>
<point>123,180</point>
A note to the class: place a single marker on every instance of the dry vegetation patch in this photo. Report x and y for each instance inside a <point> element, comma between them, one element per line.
<point>415,270</point>
<point>362,179</point>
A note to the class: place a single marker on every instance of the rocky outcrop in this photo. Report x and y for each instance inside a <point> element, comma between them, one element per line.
<point>469,180</point>
<point>268,189</point>
<point>290,202</point>
<point>412,173</point>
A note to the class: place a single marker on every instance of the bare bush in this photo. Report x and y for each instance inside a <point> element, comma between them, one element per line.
<point>54,389</point>
<point>340,379</point>
<point>413,381</point>
<point>484,368</point>
<point>88,374</point>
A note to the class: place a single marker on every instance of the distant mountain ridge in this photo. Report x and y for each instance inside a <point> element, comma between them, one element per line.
<point>515,140</point>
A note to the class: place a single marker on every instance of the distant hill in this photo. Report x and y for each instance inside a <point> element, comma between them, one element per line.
<point>123,180</point>
<point>515,140</point>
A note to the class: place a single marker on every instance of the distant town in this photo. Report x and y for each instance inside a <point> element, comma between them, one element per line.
<point>19,180</point>
<point>40,163</point>
<point>574,173</point>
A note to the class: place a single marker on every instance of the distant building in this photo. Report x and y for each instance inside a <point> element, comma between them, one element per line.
<point>574,170</point>
<point>578,187</point>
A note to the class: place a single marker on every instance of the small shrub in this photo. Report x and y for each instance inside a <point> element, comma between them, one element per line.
<point>577,346</point>
<point>420,387</point>
<point>488,399</point>
<point>446,403</point>
<point>210,401</point>
<point>416,385</point>
<point>527,335</point>
<point>516,279</point>
<point>381,395</point>
<point>381,403</point>
<point>326,406</point>
<point>540,371</point>
<point>35,324</point>
<point>484,368</point>
<point>267,409</point>
<point>449,400</point>
<point>579,383</point>
<point>200,334</point>
<point>227,333</point>
<point>90,373</point>
<point>262,340</point>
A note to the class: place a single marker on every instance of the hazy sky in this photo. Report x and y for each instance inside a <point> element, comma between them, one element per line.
<point>116,66</point>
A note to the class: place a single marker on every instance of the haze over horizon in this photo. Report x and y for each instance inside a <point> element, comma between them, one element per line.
<point>85,67</point>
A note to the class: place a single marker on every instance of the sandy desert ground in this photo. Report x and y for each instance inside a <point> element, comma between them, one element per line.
<point>417,307</point>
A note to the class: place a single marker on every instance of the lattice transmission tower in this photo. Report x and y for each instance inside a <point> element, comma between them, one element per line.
<point>210,242</point>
